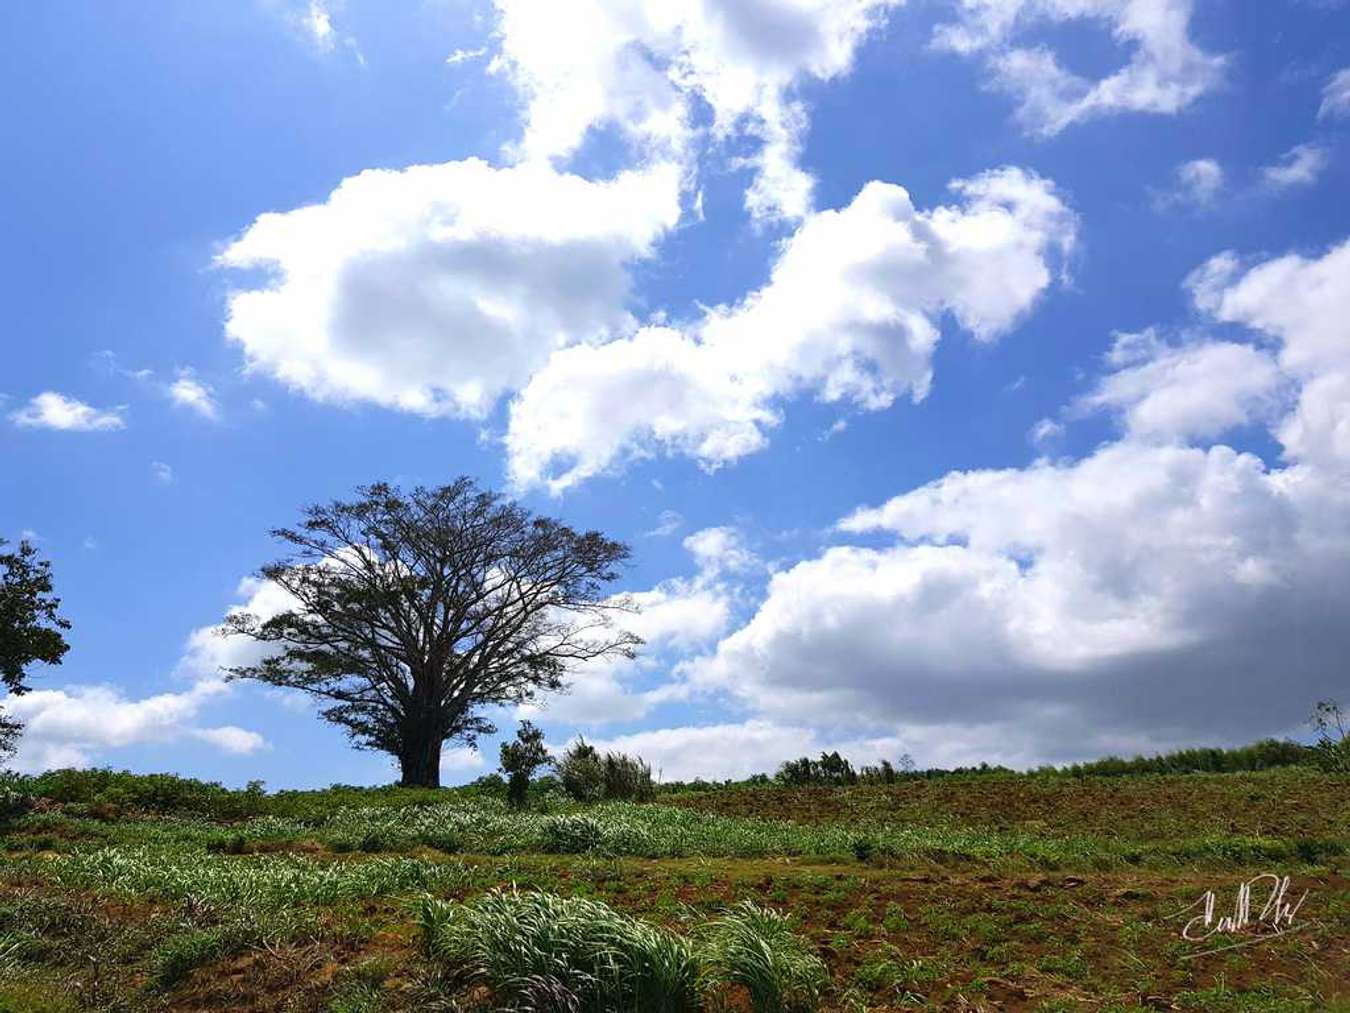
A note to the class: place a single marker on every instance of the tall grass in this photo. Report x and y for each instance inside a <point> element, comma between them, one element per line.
<point>261,882</point>
<point>755,947</point>
<point>549,954</point>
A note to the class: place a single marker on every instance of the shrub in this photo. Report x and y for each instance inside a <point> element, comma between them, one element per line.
<point>755,947</point>
<point>582,772</point>
<point>830,769</point>
<point>628,779</point>
<point>550,954</point>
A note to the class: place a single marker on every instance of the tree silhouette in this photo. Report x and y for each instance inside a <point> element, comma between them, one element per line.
<point>415,611</point>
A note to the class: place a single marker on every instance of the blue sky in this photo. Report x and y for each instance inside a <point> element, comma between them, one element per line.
<point>1049,464</point>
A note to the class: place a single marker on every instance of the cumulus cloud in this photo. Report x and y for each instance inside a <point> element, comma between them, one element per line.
<point>1194,390</point>
<point>162,473</point>
<point>644,67</point>
<point>76,725</point>
<point>50,410</point>
<point>194,395</point>
<point>1336,96</point>
<point>676,618</point>
<point>73,725</point>
<point>436,288</point>
<point>1166,71</point>
<point>1138,598</point>
<point>1300,166</point>
<point>852,312</point>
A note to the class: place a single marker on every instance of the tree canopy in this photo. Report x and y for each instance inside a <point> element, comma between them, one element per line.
<point>31,626</point>
<point>414,611</point>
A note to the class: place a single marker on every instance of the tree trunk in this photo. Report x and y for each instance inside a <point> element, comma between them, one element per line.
<point>420,762</point>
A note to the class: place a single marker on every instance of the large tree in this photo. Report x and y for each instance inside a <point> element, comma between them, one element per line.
<point>30,627</point>
<point>413,611</point>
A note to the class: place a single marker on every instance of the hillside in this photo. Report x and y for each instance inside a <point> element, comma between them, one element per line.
<point>981,892</point>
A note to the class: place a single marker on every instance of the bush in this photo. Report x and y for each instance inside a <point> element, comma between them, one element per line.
<point>582,772</point>
<point>550,954</point>
<point>830,769</point>
<point>628,779</point>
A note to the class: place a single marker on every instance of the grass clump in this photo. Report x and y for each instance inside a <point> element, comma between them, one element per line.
<point>754,947</point>
<point>549,954</point>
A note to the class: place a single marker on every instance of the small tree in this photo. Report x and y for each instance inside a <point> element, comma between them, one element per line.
<point>520,759</point>
<point>413,611</point>
<point>1332,751</point>
<point>30,627</point>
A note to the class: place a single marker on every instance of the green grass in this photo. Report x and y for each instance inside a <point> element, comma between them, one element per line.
<point>254,882</point>
<point>541,952</point>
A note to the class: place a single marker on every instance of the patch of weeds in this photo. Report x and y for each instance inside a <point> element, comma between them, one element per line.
<point>182,953</point>
<point>893,920</point>
<point>357,997</point>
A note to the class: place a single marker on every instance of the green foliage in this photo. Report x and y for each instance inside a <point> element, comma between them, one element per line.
<point>586,776</point>
<point>628,779</point>
<point>31,627</point>
<point>1332,751</point>
<point>582,772</point>
<point>543,953</point>
<point>182,953</point>
<point>573,835</point>
<point>263,882</point>
<point>520,759</point>
<point>162,793</point>
<point>755,947</point>
<point>1263,755</point>
<point>830,769</point>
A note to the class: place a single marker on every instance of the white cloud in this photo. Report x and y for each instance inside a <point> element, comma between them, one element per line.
<point>1190,391</point>
<point>231,739</point>
<point>50,410</point>
<point>436,288</point>
<point>852,312</point>
<point>77,724</point>
<point>73,725</point>
<point>191,393</point>
<point>1045,433</point>
<point>1198,184</point>
<point>1138,598</point>
<point>667,523</point>
<point>1304,304</point>
<point>1299,166</point>
<point>755,746</point>
<point>162,473</point>
<point>675,619</point>
<point>1166,71</point>
<point>463,758</point>
<point>465,56</point>
<point>208,654</point>
<point>644,66</point>
<point>318,24</point>
<point>1336,96</point>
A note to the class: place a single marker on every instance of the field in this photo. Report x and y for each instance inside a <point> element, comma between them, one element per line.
<point>993,891</point>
